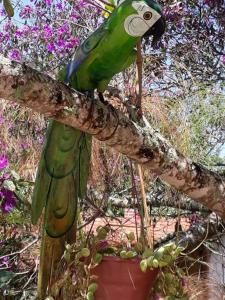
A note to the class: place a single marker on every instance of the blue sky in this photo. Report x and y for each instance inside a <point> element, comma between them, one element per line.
<point>222,152</point>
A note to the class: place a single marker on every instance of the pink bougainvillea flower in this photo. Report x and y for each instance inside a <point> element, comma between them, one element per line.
<point>3,162</point>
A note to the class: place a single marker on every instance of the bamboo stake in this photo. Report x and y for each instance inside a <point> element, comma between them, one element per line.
<point>147,219</point>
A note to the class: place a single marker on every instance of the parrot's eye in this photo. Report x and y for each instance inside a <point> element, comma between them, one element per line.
<point>147,15</point>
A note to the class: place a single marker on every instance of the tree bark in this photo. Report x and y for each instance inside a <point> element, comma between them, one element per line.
<point>28,87</point>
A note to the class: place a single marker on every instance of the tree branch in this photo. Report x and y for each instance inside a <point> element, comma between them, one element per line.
<point>22,84</point>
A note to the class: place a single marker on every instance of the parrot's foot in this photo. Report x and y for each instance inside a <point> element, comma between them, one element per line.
<point>101,98</point>
<point>90,94</point>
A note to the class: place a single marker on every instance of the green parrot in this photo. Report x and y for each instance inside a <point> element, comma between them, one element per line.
<point>64,165</point>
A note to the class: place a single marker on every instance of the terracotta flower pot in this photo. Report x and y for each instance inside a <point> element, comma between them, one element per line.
<point>122,279</point>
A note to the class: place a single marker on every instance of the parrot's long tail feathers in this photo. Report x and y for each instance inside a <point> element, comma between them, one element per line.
<point>60,178</point>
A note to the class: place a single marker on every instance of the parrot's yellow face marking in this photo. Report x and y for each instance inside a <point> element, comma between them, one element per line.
<point>137,24</point>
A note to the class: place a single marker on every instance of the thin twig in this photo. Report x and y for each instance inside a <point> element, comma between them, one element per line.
<point>107,3</point>
<point>22,250</point>
<point>98,6</point>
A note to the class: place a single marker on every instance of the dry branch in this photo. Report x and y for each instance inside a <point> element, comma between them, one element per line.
<point>22,84</point>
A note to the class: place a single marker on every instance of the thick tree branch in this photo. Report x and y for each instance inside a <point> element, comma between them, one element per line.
<point>146,146</point>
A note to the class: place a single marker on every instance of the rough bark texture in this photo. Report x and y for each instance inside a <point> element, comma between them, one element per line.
<point>146,146</point>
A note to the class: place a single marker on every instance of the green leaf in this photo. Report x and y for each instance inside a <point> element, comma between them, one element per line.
<point>148,252</point>
<point>8,184</point>
<point>150,261</point>
<point>155,263</point>
<point>143,265</point>
<point>93,287</point>
<point>130,254</point>
<point>97,258</point>
<point>66,256</point>
<point>5,277</point>
<point>69,248</point>
<point>90,296</point>
<point>131,236</point>
<point>102,233</point>
<point>85,252</point>
<point>123,254</point>
<point>15,175</point>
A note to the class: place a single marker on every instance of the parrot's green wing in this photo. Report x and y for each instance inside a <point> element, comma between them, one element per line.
<point>85,49</point>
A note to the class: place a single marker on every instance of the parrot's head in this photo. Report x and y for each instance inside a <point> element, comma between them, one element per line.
<point>147,21</point>
<point>158,29</point>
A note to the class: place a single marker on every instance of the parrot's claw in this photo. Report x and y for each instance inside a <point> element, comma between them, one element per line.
<point>101,98</point>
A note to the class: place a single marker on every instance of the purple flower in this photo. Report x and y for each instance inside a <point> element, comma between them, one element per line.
<point>2,242</point>
<point>18,33</point>
<point>7,26</point>
<point>223,58</point>
<point>157,296</point>
<point>82,3</point>
<point>26,12</point>
<point>48,2</point>
<point>74,42</point>
<point>183,281</point>
<point>6,37</point>
<point>26,29</point>
<point>2,12</point>
<point>103,245</point>
<point>59,5</point>
<point>40,139</point>
<point>2,146</point>
<point>9,201</point>
<point>61,43</point>
<point>1,119</point>
<point>50,47</point>
<point>35,28</point>
<point>4,261</point>
<point>6,176</point>
<point>75,16</point>
<point>3,162</point>
<point>69,46</point>
<point>1,37</point>
<point>47,31</point>
<point>63,29</point>
<point>74,278</point>
<point>14,54</point>
<point>24,146</point>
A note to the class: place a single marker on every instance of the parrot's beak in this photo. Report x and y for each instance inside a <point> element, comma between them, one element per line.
<point>157,30</point>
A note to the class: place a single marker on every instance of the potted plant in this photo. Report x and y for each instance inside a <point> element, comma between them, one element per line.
<point>100,268</point>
